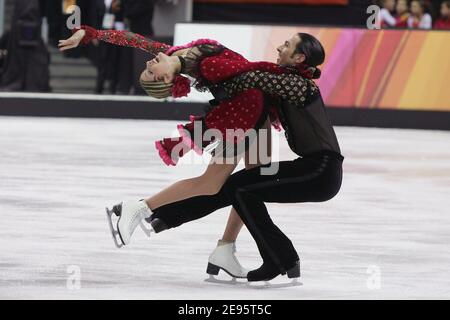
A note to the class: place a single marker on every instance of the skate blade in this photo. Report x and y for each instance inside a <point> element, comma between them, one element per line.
<point>232,282</point>
<point>115,234</point>
<point>253,285</point>
<point>145,229</point>
<point>269,285</point>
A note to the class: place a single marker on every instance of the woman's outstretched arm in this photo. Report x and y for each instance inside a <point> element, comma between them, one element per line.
<point>86,34</point>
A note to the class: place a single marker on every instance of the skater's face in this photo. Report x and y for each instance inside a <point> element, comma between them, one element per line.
<point>286,55</point>
<point>153,65</point>
<point>147,76</point>
<point>164,67</point>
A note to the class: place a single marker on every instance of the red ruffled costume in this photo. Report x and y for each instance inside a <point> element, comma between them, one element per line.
<point>244,111</point>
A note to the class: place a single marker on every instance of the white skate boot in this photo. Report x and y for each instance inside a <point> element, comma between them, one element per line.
<point>223,257</point>
<point>130,214</point>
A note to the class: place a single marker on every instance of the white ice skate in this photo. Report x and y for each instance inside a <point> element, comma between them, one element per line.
<point>224,258</point>
<point>130,214</point>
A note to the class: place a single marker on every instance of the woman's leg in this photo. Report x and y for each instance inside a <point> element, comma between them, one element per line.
<point>208,183</point>
<point>211,181</point>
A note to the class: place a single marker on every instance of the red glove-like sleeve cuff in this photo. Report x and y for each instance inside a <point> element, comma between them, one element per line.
<point>91,34</point>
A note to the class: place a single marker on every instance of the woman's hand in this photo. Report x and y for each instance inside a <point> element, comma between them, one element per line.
<point>72,42</point>
<point>165,67</point>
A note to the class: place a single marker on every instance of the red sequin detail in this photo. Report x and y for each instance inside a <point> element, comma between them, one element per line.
<point>245,121</point>
<point>124,38</point>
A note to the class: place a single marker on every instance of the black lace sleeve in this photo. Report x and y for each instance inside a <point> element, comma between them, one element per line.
<point>293,88</point>
<point>192,58</point>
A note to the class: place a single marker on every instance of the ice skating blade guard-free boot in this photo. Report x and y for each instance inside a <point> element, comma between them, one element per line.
<point>224,258</point>
<point>130,214</point>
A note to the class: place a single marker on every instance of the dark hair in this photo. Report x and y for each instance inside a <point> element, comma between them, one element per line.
<point>313,51</point>
<point>422,4</point>
<point>447,3</point>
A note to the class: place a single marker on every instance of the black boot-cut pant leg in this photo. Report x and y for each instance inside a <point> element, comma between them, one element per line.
<point>315,178</point>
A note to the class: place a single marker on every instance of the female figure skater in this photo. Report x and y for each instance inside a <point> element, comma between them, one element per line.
<point>209,63</point>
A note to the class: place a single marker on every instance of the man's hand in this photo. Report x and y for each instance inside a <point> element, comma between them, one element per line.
<point>72,42</point>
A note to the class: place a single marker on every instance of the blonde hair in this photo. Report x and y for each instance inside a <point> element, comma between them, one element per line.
<point>157,89</point>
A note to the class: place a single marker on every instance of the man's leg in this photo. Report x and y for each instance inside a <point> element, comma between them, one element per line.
<point>301,180</point>
<point>263,156</point>
<point>223,257</point>
<point>179,212</point>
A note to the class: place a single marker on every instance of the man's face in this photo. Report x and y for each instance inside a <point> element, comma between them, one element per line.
<point>286,54</point>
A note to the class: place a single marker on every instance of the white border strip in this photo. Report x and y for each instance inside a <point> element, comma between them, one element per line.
<point>95,97</point>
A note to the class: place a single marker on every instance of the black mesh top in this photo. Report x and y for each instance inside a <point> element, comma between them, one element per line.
<point>302,112</point>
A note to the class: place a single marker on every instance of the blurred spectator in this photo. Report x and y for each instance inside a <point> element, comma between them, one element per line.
<point>444,20</point>
<point>52,9</point>
<point>402,14</point>
<point>3,50</point>
<point>109,55</point>
<point>139,17</point>
<point>26,67</point>
<point>419,18</point>
<point>387,20</point>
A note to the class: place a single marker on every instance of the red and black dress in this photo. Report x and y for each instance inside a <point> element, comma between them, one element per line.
<point>245,92</point>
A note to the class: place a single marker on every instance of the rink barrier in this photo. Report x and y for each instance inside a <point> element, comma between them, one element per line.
<point>141,107</point>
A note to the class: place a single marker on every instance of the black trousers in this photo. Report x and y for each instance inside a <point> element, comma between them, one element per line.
<point>313,178</point>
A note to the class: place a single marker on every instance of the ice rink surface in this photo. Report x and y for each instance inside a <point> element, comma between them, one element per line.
<point>385,235</point>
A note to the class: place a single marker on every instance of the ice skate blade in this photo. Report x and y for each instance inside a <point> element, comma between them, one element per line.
<point>232,282</point>
<point>114,232</point>
<point>253,285</point>
<point>269,285</point>
<point>147,231</point>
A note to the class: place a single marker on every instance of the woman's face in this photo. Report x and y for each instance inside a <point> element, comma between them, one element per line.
<point>389,4</point>
<point>416,8</point>
<point>147,76</point>
<point>162,67</point>
<point>402,6</point>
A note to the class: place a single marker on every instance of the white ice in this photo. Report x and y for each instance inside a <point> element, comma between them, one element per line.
<point>385,235</point>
